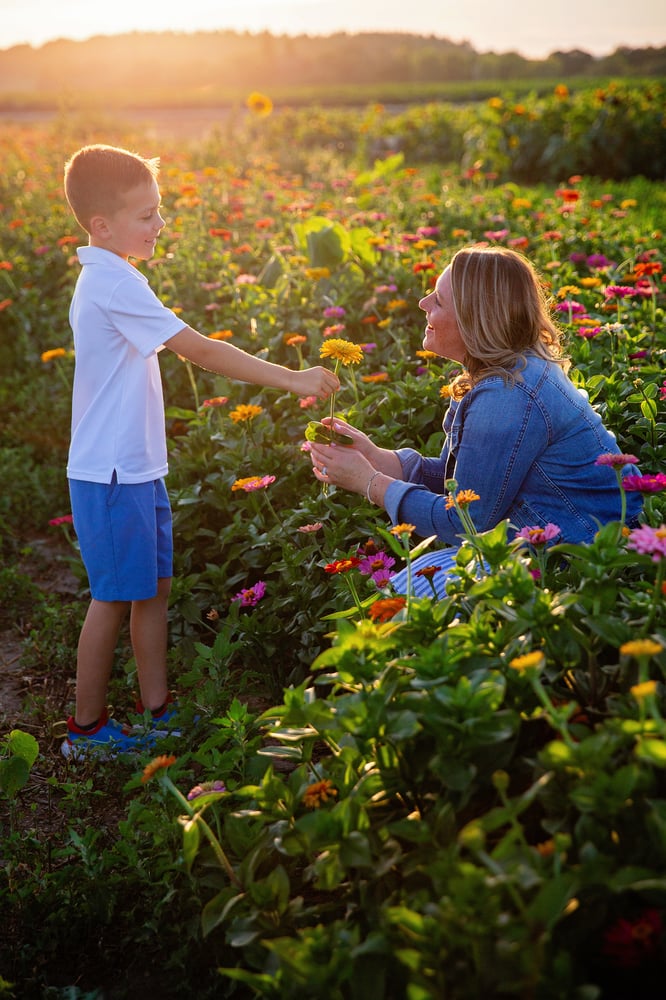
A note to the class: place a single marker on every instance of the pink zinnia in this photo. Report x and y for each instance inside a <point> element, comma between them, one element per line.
<point>648,541</point>
<point>378,562</point>
<point>644,484</point>
<point>65,519</point>
<point>251,595</point>
<point>616,461</point>
<point>619,291</point>
<point>539,535</point>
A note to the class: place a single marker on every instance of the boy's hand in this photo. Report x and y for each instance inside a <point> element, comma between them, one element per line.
<point>315,382</point>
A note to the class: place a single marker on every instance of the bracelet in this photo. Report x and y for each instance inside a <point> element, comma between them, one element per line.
<point>370,482</point>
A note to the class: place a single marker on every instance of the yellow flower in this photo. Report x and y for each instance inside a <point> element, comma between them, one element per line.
<point>527,661</point>
<point>644,690</point>
<point>56,352</point>
<point>641,647</point>
<point>316,273</point>
<point>561,90</point>
<point>590,282</point>
<point>157,764</point>
<point>567,290</point>
<point>245,411</point>
<point>259,104</point>
<point>220,335</point>
<point>496,102</point>
<point>426,355</point>
<point>318,793</point>
<point>403,529</point>
<point>341,350</point>
<point>463,498</point>
<point>241,484</point>
<point>396,304</point>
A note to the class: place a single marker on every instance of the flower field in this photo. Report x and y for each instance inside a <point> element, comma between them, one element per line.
<point>382,797</point>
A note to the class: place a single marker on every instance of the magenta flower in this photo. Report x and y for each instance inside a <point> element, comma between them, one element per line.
<point>589,332</point>
<point>251,596</point>
<point>65,519</point>
<point>662,390</point>
<point>619,291</point>
<point>334,312</point>
<point>615,461</point>
<point>644,484</point>
<point>539,535</point>
<point>571,306</point>
<point>378,562</point>
<point>648,541</point>
<point>597,260</point>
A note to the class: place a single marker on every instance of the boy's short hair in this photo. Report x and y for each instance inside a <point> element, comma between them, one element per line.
<point>97,177</point>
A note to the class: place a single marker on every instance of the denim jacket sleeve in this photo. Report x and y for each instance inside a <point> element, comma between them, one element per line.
<point>494,436</point>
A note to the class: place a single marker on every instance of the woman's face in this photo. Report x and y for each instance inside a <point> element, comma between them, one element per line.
<point>442,333</point>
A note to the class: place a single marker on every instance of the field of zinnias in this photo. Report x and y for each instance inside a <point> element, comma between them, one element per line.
<point>397,799</point>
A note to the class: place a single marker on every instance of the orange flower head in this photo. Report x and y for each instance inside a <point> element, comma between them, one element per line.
<point>463,499</point>
<point>321,791</point>
<point>386,608</point>
<point>157,764</point>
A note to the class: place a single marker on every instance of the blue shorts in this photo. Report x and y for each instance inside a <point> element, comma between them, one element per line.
<point>124,533</point>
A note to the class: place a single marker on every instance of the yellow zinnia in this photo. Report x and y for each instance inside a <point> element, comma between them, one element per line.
<point>341,350</point>
<point>641,647</point>
<point>245,411</point>
<point>528,661</point>
<point>644,690</point>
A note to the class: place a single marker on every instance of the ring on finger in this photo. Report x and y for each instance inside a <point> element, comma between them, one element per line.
<point>324,470</point>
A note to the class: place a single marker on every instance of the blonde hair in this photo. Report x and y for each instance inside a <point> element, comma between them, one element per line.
<point>98,176</point>
<point>503,314</point>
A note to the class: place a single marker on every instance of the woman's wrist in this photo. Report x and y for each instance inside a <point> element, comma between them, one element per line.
<point>371,490</point>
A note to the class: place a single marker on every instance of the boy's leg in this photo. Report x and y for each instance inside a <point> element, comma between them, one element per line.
<point>148,632</point>
<point>97,644</point>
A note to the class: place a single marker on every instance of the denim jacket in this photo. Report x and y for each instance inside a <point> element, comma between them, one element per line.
<point>527,446</point>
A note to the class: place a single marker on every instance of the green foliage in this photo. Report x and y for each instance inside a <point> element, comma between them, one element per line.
<point>18,753</point>
<point>415,815</point>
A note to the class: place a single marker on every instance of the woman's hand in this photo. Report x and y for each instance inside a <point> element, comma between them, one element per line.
<point>361,441</point>
<point>342,465</point>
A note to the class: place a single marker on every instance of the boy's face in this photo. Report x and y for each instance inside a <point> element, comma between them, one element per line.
<point>132,230</point>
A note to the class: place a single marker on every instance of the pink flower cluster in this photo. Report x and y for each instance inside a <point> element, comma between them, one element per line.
<point>649,541</point>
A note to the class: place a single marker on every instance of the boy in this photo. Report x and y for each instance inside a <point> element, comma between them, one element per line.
<point>118,457</point>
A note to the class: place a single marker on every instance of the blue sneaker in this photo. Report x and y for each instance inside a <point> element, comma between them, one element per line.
<point>108,740</point>
<point>160,723</point>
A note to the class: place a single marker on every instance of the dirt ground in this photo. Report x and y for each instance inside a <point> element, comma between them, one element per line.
<point>44,562</point>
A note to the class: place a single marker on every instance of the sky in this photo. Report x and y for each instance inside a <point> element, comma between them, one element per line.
<point>525,26</point>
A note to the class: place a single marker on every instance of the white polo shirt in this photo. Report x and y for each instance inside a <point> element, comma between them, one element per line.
<point>119,324</point>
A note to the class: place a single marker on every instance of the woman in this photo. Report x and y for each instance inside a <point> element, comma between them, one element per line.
<point>518,432</point>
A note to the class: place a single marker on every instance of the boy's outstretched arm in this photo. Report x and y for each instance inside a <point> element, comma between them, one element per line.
<point>225,359</point>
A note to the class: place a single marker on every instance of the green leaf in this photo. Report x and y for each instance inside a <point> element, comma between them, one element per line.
<point>23,745</point>
<point>322,434</point>
<point>14,772</point>
<point>191,840</point>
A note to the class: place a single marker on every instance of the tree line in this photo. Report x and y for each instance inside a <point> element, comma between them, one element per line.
<point>209,65</point>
